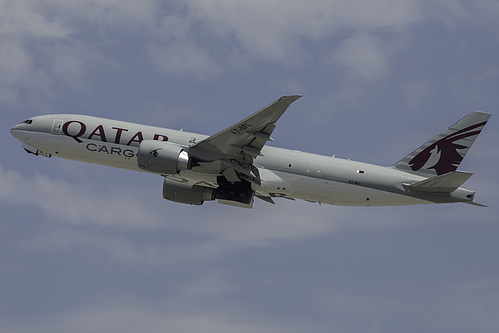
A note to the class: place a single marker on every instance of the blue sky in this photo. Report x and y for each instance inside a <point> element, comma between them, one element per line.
<point>86,248</point>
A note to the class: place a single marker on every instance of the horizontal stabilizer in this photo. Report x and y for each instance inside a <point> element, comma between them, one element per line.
<point>448,182</point>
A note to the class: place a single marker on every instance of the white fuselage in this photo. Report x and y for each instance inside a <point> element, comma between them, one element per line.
<point>284,173</point>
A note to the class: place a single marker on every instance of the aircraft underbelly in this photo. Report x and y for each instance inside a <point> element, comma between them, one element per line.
<point>341,194</point>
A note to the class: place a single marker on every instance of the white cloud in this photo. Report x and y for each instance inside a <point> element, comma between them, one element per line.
<point>106,15</point>
<point>205,38</point>
<point>208,284</point>
<point>18,72</point>
<point>416,92</point>
<point>41,44</point>
<point>15,63</point>
<point>478,13</point>
<point>69,63</point>
<point>273,31</point>
<point>291,267</point>
<point>21,24</point>
<point>176,49</point>
<point>76,203</point>
<point>65,239</point>
<point>202,241</point>
<point>23,19</point>
<point>363,55</point>
<point>128,314</point>
<point>446,306</point>
<point>80,203</point>
<point>273,223</point>
<point>183,57</point>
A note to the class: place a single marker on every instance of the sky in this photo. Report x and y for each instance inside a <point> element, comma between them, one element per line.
<point>88,248</point>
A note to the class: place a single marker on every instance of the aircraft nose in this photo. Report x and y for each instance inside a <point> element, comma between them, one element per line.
<point>18,132</point>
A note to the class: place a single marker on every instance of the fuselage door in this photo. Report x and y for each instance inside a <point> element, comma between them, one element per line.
<point>56,127</point>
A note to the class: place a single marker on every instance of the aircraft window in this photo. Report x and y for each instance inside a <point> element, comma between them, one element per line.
<point>29,122</point>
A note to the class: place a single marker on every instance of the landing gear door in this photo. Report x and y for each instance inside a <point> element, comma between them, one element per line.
<point>56,127</point>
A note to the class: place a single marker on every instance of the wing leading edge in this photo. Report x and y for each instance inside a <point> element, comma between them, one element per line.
<point>238,145</point>
<point>248,136</point>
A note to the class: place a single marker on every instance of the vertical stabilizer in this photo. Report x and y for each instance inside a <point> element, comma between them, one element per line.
<point>444,153</point>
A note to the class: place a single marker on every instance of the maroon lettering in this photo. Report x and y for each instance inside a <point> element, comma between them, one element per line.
<point>138,137</point>
<point>99,131</point>
<point>83,129</point>
<point>158,136</point>
<point>117,139</point>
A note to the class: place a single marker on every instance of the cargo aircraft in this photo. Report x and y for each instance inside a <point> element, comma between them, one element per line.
<point>235,165</point>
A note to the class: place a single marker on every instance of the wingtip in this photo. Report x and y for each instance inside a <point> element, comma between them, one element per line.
<point>482,112</point>
<point>291,97</point>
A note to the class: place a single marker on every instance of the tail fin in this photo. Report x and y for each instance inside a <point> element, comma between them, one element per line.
<point>444,153</point>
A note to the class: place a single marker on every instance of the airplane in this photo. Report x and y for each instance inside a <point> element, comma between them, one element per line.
<point>235,165</point>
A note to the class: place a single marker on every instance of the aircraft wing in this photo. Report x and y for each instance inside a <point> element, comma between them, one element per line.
<point>237,146</point>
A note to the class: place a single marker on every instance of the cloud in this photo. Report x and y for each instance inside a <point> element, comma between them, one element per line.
<point>128,314</point>
<point>19,73</point>
<point>273,31</point>
<point>97,249</point>
<point>47,42</point>
<point>24,19</point>
<point>271,225</point>
<point>76,203</point>
<point>363,55</point>
<point>210,283</point>
<point>65,239</point>
<point>69,63</point>
<point>473,13</point>
<point>79,205</point>
<point>202,242</point>
<point>20,26</point>
<point>183,57</point>
<point>43,47</point>
<point>446,306</point>
<point>106,15</point>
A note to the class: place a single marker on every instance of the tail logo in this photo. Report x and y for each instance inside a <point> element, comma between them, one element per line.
<point>443,155</point>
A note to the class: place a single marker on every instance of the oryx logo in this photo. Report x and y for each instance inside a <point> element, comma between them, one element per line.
<point>154,152</point>
<point>443,155</point>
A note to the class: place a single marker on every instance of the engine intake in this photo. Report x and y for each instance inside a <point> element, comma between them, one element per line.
<point>162,157</point>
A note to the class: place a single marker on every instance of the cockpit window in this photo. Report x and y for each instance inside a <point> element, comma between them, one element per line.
<point>29,121</point>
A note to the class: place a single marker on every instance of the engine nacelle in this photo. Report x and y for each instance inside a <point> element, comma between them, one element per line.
<point>187,194</point>
<point>162,157</point>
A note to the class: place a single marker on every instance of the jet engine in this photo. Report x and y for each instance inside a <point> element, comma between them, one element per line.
<point>162,157</point>
<point>186,193</point>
